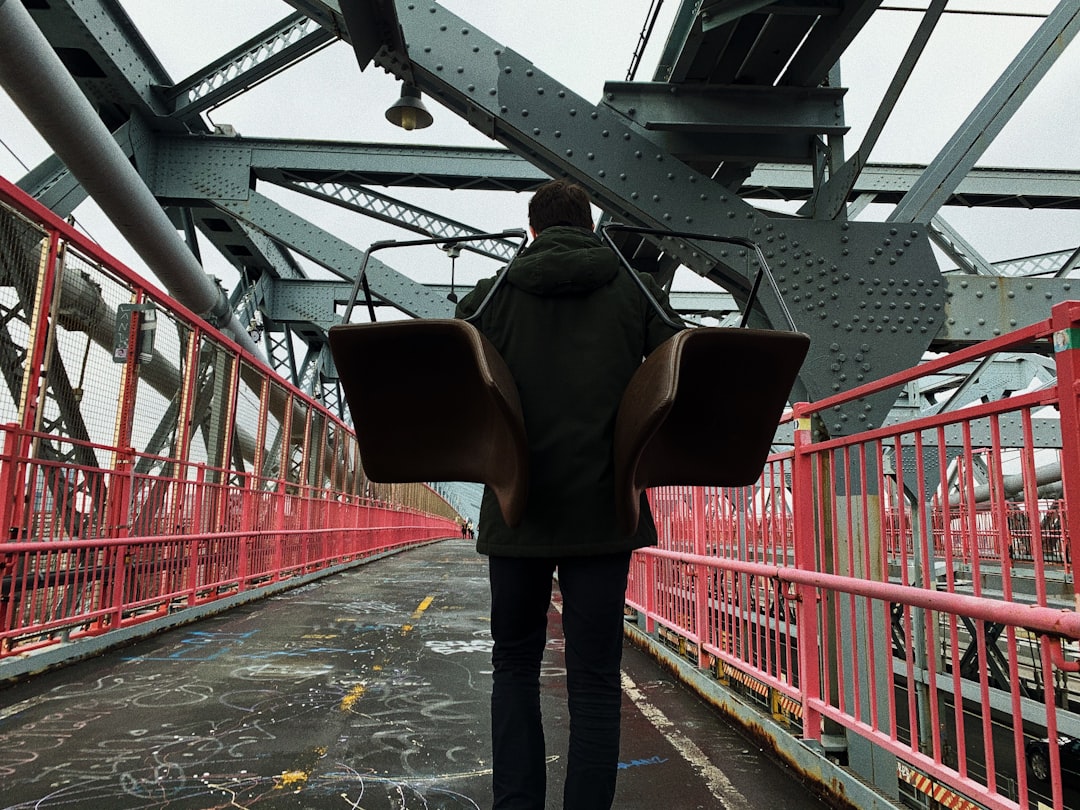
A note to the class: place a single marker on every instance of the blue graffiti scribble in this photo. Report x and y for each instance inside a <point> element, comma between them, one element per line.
<point>200,646</point>
<point>637,763</point>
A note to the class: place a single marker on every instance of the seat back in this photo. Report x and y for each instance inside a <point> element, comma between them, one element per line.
<point>702,410</point>
<point>432,400</point>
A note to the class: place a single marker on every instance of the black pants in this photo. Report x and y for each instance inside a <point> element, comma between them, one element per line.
<point>593,591</point>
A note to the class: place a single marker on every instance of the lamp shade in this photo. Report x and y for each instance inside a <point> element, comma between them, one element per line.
<point>409,112</point>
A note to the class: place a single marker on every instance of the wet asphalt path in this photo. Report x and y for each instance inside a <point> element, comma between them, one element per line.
<point>367,690</point>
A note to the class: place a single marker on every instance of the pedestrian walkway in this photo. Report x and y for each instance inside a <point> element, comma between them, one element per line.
<point>367,690</point>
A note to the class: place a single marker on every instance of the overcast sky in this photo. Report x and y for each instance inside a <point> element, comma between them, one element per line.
<point>583,44</point>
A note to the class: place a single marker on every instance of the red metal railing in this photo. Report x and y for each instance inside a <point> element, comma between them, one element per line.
<point>244,482</point>
<point>907,589</point>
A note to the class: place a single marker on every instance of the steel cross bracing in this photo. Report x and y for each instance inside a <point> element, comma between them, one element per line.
<point>410,217</point>
<point>127,77</point>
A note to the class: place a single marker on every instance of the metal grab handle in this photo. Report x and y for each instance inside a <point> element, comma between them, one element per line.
<point>763,266</point>
<point>361,277</point>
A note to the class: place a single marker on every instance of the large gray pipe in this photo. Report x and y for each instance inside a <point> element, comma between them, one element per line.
<point>37,81</point>
<point>1011,485</point>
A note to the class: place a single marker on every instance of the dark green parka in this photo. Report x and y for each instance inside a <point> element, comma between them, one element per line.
<point>573,327</point>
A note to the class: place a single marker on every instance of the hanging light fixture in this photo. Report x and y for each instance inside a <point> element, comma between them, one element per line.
<point>409,112</point>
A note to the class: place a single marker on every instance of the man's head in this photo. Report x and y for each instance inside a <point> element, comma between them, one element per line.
<point>559,202</point>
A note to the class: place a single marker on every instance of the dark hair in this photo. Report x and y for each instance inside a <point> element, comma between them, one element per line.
<point>560,202</point>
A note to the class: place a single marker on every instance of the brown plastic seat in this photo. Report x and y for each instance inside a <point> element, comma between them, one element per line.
<point>432,400</point>
<point>702,410</point>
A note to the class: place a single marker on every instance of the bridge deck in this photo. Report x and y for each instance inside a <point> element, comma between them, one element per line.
<point>368,689</point>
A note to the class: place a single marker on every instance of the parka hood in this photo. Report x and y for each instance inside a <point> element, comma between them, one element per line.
<point>563,261</point>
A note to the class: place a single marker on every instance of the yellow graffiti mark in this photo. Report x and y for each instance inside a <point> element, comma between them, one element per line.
<point>354,695</point>
<point>298,778</point>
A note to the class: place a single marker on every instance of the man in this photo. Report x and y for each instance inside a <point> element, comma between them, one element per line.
<point>573,328</point>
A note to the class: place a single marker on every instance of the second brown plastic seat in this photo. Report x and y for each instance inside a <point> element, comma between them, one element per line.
<point>432,400</point>
<point>702,410</point>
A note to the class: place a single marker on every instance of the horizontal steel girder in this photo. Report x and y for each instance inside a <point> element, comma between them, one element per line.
<point>978,308</point>
<point>493,169</point>
<point>729,108</point>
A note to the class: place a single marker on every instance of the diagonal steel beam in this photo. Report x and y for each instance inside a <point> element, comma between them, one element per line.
<point>335,254</point>
<point>262,56</point>
<point>990,115</point>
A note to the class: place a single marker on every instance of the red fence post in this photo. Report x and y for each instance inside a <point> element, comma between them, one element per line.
<point>1065,319</point>
<point>803,511</point>
<point>247,507</point>
<point>701,576</point>
<point>12,490</point>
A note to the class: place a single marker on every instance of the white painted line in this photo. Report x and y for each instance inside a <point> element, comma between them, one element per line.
<point>715,779</point>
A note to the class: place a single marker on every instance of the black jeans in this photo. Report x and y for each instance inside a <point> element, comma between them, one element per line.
<point>593,591</point>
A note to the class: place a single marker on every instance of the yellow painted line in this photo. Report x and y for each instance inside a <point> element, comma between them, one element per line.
<point>418,613</point>
<point>422,607</point>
